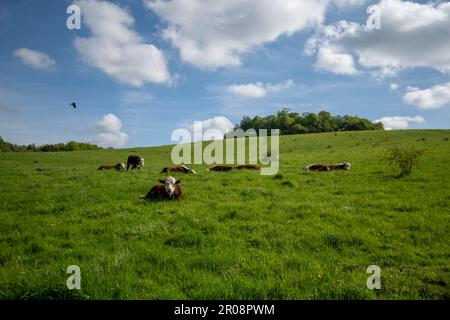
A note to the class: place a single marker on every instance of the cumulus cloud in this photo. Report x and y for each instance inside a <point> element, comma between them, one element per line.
<point>212,34</point>
<point>330,59</point>
<point>258,89</point>
<point>399,122</point>
<point>116,49</point>
<point>34,59</point>
<point>108,131</point>
<point>412,35</point>
<point>249,90</point>
<point>210,129</point>
<point>393,87</point>
<point>431,98</point>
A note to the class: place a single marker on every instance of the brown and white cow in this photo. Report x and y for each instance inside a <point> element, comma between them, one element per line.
<point>136,162</point>
<point>247,166</point>
<point>167,189</point>
<point>328,167</point>
<point>117,166</point>
<point>181,168</point>
<point>222,168</point>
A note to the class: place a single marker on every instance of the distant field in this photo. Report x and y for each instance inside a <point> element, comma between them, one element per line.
<point>237,235</point>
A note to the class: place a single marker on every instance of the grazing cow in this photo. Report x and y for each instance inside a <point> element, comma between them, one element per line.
<point>167,189</point>
<point>117,166</point>
<point>220,168</point>
<point>247,166</point>
<point>182,169</point>
<point>136,162</point>
<point>328,167</point>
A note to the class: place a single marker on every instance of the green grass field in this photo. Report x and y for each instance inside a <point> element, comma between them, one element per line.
<point>236,235</point>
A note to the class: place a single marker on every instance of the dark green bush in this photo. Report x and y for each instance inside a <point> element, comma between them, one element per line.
<point>405,158</point>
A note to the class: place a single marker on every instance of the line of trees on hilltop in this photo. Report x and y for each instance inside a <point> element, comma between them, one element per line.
<point>70,146</point>
<point>309,122</point>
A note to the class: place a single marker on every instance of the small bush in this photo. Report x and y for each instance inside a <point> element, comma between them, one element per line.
<point>405,158</point>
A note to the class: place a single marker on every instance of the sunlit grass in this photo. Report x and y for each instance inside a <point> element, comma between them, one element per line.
<point>236,235</point>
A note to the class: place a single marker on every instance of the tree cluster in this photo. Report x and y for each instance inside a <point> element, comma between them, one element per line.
<point>294,123</point>
<point>70,146</point>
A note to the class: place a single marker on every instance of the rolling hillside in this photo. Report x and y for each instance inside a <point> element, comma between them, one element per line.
<point>237,235</point>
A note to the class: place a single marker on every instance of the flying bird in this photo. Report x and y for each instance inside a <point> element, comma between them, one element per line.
<point>73,105</point>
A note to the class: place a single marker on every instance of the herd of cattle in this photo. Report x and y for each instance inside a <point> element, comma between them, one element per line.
<point>169,188</point>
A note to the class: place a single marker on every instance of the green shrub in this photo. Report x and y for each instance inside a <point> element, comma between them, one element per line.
<point>405,157</point>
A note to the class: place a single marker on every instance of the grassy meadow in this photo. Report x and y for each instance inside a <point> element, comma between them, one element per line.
<point>236,235</point>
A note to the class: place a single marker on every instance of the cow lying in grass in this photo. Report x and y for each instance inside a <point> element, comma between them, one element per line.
<point>167,189</point>
<point>117,166</point>
<point>136,162</point>
<point>247,166</point>
<point>328,167</point>
<point>182,169</point>
<point>225,168</point>
<point>222,168</point>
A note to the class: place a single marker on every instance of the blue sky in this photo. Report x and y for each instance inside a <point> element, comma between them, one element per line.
<point>180,65</point>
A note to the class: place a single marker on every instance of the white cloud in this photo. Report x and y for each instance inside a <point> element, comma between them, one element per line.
<point>116,49</point>
<point>393,87</point>
<point>250,90</point>
<point>258,89</point>
<point>349,3</point>
<point>210,129</point>
<point>328,58</point>
<point>35,59</point>
<point>280,86</point>
<point>431,98</point>
<point>412,35</point>
<point>212,34</point>
<point>398,122</point>
<point>108,131</point>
